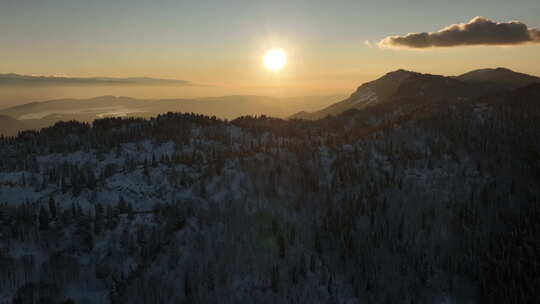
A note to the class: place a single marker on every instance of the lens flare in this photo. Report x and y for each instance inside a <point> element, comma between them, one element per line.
<point>275,59</point>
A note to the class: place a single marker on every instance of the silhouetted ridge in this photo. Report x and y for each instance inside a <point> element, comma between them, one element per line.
<point>498,79</point>
<point>398,86</point>
<point>416,89</point>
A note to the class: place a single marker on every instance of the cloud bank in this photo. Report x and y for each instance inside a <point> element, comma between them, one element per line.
<point>478,31</point>
<point>40,81</point>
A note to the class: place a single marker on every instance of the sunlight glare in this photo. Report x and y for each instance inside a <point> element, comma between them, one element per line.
<point>275,59</point>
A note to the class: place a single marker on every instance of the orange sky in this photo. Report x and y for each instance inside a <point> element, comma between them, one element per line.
<point>222,44</point>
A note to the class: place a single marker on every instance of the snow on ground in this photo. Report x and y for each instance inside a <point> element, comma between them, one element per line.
<point>365,97</point>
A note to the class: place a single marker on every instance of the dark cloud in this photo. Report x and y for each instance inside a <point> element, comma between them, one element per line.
<point>40,81</point>
<point>478,31</point>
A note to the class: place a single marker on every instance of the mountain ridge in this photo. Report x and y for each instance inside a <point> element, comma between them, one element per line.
<point>402,84</point>
<point>44,113</point>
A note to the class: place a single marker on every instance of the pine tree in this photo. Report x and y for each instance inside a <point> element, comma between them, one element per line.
<point>98,221</point>
<point>302,271</point>
<point>188,291</point>
<point>146,173</point>
<point>292,235</point>
<point>63,184</point>
<point>91,179</point>
<point>294,275</point>
<point>131,215</point>
<point>118,151</point>
<point>43,183</point>
<point>330,285</point>
<point>52,207</point>
<point>274,279</point>
<point>317,242</point>
<point>111,217</point>
<point>211,281</point>
<point>275,227</point>
<point>281,246</point>
<point>43,219</point>
<point>202,189</point>
<point>114,294</point>
<point>122,205</point>
<point>154,161</point>
<point>312,264</point>
<point>2,212</point>
<point>74,210</point>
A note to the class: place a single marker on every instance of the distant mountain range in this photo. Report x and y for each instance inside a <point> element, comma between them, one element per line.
<point>392,95</point>
<point>16,80</point>
<point>406,88</point>
<point>37,115</point>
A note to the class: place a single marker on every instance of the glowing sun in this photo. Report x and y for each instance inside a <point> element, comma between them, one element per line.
<point>275,59</point>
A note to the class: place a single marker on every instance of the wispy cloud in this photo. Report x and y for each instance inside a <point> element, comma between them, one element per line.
<point>478,31</point>
<point>368,44</point>
<point>39,81</point>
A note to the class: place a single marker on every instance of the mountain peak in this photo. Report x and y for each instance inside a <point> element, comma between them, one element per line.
<point>500,77</point>
<point>400,74</point>
<point>490,71</point>
<point>401,71</point>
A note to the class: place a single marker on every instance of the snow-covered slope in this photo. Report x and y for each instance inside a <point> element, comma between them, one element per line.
<point>184,208</point>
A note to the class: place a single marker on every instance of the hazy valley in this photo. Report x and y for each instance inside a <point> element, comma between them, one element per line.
<point>37,115</point>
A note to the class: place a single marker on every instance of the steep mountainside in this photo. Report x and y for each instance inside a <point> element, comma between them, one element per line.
<point>399,86</point>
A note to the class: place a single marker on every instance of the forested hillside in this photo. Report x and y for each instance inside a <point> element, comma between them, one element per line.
<point>434,203</point>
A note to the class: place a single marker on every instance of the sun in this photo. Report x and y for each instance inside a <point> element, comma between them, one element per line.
<point>275,59</point>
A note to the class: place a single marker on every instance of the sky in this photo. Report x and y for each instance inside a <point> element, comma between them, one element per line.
<point>332,46</point>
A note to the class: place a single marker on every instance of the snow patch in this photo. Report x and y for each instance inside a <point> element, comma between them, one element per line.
<point>365,96</point>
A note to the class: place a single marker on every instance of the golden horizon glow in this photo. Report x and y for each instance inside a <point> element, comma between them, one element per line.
<point>275,59</point>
